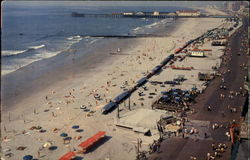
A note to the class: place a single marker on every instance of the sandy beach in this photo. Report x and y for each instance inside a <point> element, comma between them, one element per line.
<point>34,96</point>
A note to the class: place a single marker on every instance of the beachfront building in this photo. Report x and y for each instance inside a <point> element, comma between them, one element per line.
<point>188,13</point>
<point>197,53</point>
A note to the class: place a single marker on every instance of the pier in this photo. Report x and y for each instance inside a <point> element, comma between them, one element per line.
<point>120,15</point>
<point>146,15</point>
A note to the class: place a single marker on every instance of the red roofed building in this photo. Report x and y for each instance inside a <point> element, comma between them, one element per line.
<point>188,13</point>
<point>92,140</point>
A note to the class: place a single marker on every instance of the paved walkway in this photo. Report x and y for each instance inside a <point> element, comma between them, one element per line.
<point>182,149</point>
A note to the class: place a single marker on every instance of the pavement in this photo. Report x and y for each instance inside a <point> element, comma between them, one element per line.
<point>183,149</point>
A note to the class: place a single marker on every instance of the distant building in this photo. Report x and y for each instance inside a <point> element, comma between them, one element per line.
<point>168,14</point>
<point>139,13</point>
<point>156,13</point>
<point>236,5</point>
<point>128,13</point>
<point>188,13</point>
<point>172,14</point>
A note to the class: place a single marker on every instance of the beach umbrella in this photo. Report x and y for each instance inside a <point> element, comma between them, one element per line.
<point>67,138</point>
<point>141,99</point>
<point>47,144</point>
<point>86,110</point>
<point>177,99</point>
<point>63,134</point>
<point>175,93</point>
<point>83,107</point>
<point>75,127</point>
<point>42,131</point>
<point>194,88</point>
<point>28,157</point>
<point>164,92</point>
<point>52,148</point>
<point>165,98</point>
<point>174,89</point>
<point>79,130</point>
<point>185,91</point>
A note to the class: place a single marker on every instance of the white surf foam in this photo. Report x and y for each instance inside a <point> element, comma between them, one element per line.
<point>22,62</point>
<point>12,52</point>
<point>75,38</point>
<point>37,47</point>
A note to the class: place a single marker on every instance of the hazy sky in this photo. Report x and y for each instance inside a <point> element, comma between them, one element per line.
<point>127,3</point>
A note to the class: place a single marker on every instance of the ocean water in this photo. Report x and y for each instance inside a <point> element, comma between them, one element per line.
<point>32,31</point>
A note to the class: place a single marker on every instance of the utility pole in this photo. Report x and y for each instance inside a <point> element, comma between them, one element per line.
<point>139,142</point>
<point>23,119</point>
<point>9,116</point>
<point>159,127</point>
<point>138,148</point>
<point>118,110</point>
<point>129,103</point>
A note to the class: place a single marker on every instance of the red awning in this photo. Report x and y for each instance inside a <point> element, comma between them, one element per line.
<point>207,49</point>
<point>89,142</point>
<point>68,156</point>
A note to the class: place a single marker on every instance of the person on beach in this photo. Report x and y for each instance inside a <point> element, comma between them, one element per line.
<point>214,147</point>
<point>205,135</point>
<point>215,125</point>
<point>228,136</point>
<point>223,80</point>
<point>38,154</point>
<point>208,156</point>
<point>209,108</point>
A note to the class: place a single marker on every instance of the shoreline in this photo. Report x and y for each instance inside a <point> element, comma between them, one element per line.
<point>90,59</point>
<point>150,52</point>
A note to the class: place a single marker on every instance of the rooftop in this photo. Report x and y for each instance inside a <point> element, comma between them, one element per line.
<point>188,11</point>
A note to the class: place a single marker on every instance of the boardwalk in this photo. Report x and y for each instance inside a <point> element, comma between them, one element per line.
<point>180,149</point>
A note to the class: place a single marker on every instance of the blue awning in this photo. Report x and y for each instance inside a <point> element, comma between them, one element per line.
<point>121,96</point>
<point>157,68</point>
<point>108,107</point>
<point>164,92</point>
<point>177,98</point>
<point>141,81</point>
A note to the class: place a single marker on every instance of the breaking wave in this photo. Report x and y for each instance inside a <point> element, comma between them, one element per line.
<point>6,53</point>
<point>146,28</point>
<point>36,47</point>
<point>9,53</point>
<point>75,38</point>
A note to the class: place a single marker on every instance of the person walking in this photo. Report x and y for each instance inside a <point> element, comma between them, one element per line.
<point>209,108</point>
